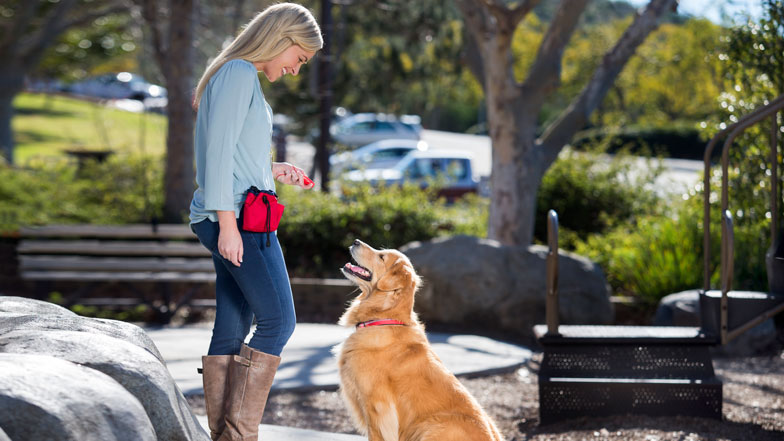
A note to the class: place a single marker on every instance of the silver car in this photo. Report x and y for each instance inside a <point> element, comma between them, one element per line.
<point>364,128</point>
<point>451,170</point>
<point>379,154</point>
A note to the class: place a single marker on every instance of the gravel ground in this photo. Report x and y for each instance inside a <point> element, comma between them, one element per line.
<point>753,408</point>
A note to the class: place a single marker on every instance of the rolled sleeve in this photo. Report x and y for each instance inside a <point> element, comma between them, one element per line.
<point>229,92</point>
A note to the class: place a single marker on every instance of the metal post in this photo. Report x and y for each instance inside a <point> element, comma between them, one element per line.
<point>774,180</point>
<point>551,303</point>
<point>727,263</point>
<point>325,94</point>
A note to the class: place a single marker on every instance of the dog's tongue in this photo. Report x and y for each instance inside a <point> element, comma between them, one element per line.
<point>357,269</point>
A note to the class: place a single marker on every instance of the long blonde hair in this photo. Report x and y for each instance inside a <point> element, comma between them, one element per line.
<point>271,32</point>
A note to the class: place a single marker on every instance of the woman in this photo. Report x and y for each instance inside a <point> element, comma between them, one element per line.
<point>233,152</point>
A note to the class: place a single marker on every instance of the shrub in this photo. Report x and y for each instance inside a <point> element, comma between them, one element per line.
<point>318,228</point>
<point>592,192</point>
<point>121,190</point>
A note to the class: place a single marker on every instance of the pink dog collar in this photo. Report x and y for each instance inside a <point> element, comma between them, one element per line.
<point>379,322</point>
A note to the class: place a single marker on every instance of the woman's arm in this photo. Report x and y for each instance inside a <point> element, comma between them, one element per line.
<point>229,239</point>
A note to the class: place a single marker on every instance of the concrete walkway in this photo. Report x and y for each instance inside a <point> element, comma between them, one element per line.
<point>308,363</point>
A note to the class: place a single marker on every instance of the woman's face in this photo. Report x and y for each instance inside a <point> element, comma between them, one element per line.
<point>287,62</point>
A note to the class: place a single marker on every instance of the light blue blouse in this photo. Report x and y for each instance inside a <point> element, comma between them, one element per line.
<point>233,141</point>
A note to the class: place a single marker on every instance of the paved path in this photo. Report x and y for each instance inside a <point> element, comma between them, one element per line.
<point>308,361</point>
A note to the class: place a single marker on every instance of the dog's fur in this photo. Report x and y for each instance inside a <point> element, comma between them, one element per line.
<point>395,386</point>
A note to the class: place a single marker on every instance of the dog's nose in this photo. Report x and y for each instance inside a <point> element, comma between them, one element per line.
<point>357,242</point>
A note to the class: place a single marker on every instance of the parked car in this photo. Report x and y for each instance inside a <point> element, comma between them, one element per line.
<point>379,154</point>
<point>451,170</point>
<point>364,128</point>
<point>122,85</point>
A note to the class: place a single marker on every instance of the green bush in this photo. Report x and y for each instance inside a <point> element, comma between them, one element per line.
<point>121,190</point>
<point>681,140</point>
<point>660,254</point>
<point>318,228</point>
<point>592,192</point>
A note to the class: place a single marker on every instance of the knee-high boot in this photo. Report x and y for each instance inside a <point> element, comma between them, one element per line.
<point>215,375</point>
<point>250,378</point>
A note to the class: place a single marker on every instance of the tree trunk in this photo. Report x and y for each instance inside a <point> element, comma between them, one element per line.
<point>179,174</point>
<point>6,135</point>
<point>520,159</point>
<point>11,83</point>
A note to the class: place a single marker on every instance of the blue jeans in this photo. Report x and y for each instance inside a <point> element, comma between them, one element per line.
<point>259,286</point>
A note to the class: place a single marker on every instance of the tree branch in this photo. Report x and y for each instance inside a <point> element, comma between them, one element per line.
<point>55,25</point>
<point>545,73</point>
<point>151,16</point>
<point>507,19</point>
<point>578,112</point>
<point>16,28</point>
<point>474,17</point>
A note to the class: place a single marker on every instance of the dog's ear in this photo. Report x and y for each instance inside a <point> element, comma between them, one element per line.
<point>398,277</point>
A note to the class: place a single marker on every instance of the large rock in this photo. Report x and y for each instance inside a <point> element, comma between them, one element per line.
<point>120,350</point>
<point>22,305</point>
<point>683,309</point>
<point>48,322</point>
<point>479,282</point>
<point>137,370</point>
<point>43,398</point>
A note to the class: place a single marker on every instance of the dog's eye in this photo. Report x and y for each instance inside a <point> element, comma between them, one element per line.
<point>381,256</point>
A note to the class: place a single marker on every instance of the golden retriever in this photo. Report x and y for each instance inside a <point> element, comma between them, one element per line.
<point>395,386</point>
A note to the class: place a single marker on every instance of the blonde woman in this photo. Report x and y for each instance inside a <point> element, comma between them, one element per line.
<point>232,148</point>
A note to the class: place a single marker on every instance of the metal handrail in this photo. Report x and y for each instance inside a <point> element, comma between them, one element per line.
<point>727,267</point>
<point>735,129</point>
<point>727,243</point>
<point>551,304</point>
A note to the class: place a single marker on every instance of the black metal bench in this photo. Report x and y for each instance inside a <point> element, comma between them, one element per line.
<point>89,256</point>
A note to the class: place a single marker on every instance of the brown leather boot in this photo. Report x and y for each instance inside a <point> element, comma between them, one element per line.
<point>250,378</point>
<point>215,371</point>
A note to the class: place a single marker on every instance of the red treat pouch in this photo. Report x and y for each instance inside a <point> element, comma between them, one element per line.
<point>261,212</point>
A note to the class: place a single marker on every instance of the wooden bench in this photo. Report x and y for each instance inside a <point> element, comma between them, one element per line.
<point>94,257</point>
<point>131,255</point>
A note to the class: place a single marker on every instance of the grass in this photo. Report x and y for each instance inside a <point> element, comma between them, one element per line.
<point>46,126</point>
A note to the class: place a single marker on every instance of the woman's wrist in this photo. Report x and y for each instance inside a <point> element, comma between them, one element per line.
<point>227,220</point>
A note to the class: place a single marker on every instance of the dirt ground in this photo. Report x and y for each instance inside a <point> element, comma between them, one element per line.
<point>753,408</point>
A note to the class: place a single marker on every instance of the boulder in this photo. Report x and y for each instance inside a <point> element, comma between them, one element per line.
<point>137,370</point>
<point>23,305</point>
<point>117,351</point>
<point>41,321</point>
<point>484,284</point>
<point>683,309</point>
<point>43,398</point>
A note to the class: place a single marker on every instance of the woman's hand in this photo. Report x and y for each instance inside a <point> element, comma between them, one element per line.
<point>286,173</point>
<point>229,238</point>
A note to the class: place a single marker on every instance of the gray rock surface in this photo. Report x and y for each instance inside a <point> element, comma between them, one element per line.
<point>24,305</point>
<point>134,368</point>
<point>116,350</point>
<point>21,313</point>
<point>43,398</point>
<point>480,282</point>
<point>683,309</point>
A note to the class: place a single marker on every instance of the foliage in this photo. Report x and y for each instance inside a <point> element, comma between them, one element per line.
<point>318,228</point>
<point>672,77</point>
<point>651,257</point>
<point>592,193</point>
<point>106,44</point>
<point>675,140</point>
<point>122,190</point>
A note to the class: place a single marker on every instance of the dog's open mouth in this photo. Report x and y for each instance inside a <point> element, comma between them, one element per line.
<point>359,271</point>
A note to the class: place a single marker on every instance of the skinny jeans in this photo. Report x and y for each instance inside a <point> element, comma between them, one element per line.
<point>260,286</point>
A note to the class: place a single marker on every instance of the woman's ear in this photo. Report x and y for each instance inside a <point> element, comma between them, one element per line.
<point>398,277</point>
